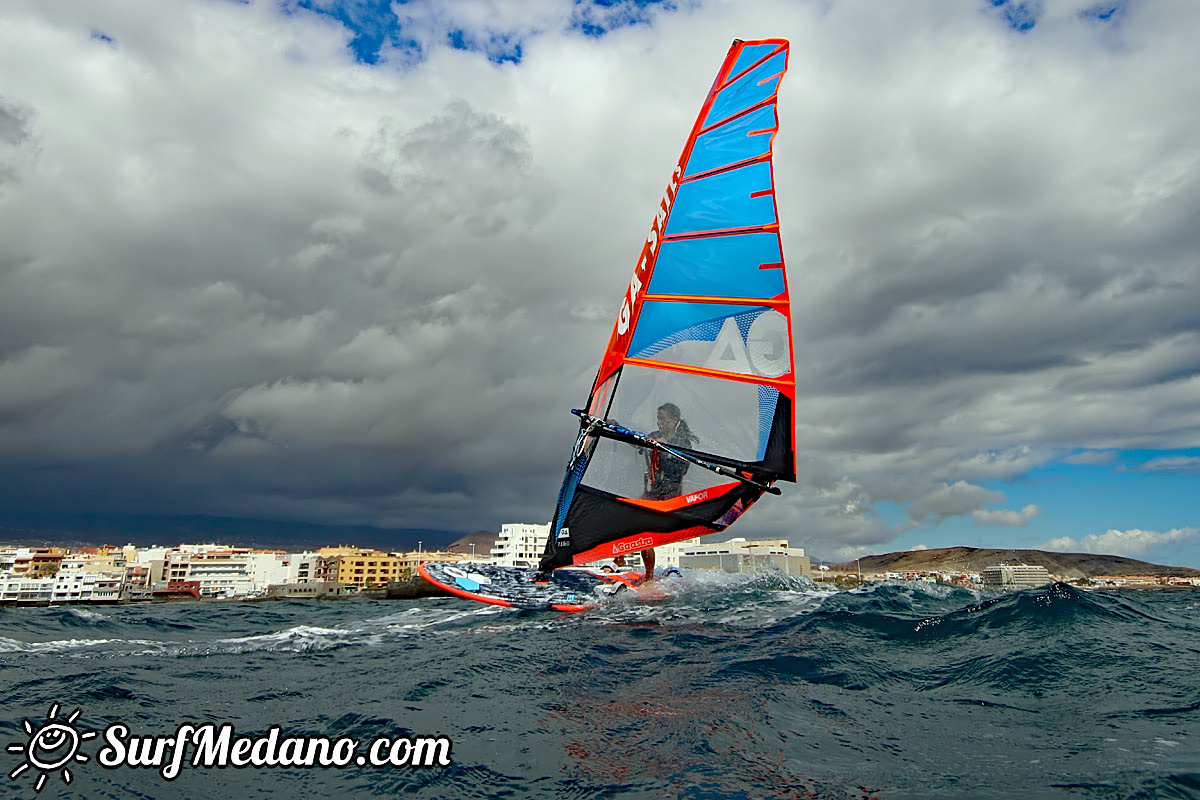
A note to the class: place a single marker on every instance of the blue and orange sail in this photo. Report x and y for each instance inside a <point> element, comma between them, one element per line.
<point>704,331</point>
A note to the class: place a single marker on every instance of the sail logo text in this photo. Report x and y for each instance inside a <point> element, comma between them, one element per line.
<point>764,351</point>
<point>633,544</point>
<point>649,252</point>
<point>696,498</point>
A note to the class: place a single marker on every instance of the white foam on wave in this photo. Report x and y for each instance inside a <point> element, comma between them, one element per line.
<point>429,619</point>
<point>86,614</point>
<point>419,620</point>
<point>910,589</point>
<point>299,638</point>
<point>58,646</point>
<point>367,632</point>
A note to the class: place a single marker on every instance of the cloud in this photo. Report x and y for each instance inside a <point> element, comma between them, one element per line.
<point>15,124</point>
<point>949,500</point>
<point>17,146</point>
<point>1133,543</point>
<point>1097,457</point>
<point>1190,464</point>
<point>1006,518</point>
<point>368,292</point>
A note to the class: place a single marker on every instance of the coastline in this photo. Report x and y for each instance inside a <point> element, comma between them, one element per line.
<point>412,589</point>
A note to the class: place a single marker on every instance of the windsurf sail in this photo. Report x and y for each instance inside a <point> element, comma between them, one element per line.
<point>690,418</point>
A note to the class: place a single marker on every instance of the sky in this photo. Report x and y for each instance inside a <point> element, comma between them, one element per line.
<point>351,262</point>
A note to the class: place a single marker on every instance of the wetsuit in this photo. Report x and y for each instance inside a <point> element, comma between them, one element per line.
<point>664,472</point>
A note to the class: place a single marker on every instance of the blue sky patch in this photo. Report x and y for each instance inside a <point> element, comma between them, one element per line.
<point>1086,493</point>
<point>372,22</point>
<point>1105,12</point>
<point>499,48</point>
<point>1019,15</point>
<point>374,25</point>
<point>596,18</point>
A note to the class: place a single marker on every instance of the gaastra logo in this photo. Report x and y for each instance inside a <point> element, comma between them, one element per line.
<point>635,544</point>
<point>649,252</point>
<point>564,535</point>
<point>697,497</point>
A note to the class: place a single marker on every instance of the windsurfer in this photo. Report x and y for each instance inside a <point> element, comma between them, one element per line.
<point>664,472</point>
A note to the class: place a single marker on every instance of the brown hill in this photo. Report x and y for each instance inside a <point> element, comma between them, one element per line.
<point>1072,565</point>
<point>483,541</point>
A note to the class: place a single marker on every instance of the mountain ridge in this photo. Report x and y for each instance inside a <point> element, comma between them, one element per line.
<point>974,559</point>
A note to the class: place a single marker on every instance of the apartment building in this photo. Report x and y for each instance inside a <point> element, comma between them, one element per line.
<point>520,544</point>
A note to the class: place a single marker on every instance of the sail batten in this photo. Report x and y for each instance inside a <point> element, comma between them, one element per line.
<point>738,70</point>
<point>723,169</point>
<point>697,383</point>
<point>769,227</point>
<point>763,104</point>
<point>711,373</point>
<point>780,302</point>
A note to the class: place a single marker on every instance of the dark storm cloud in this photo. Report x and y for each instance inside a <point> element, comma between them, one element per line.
<point>241,329</point>
<point>15,124</point>
<point>16,140</point>
<point>242,273</point>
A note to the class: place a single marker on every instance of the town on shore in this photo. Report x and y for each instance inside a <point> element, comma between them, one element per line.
<point>129,574</point>
<point>110,574</point>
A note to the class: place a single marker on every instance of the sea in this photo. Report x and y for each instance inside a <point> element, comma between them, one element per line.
<point>742,687</point>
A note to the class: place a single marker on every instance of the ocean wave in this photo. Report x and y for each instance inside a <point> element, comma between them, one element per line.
<point>203,631</point>
<point>901,613</point>
<point>297,639</point>
<point>76,617</point>
<point>60,646</point>
<point>729,687</point>
<point>367,632</point>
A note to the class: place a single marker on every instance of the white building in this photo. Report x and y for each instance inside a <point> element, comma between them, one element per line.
<point>8,557</point>
<point>220,573</point>
<point>303,568</point>
<point>81,586</point>
<point>1015,576</point>
<point>520,544</point>
<point>224,571</point>
<point>268,568</point>
<point>26,590</point>
<point>736,555</point>
<point>148,566</point>
<point>669,554</point>
<point>146,555</point>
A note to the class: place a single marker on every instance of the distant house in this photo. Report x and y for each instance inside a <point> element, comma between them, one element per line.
<point>1015,576</point>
